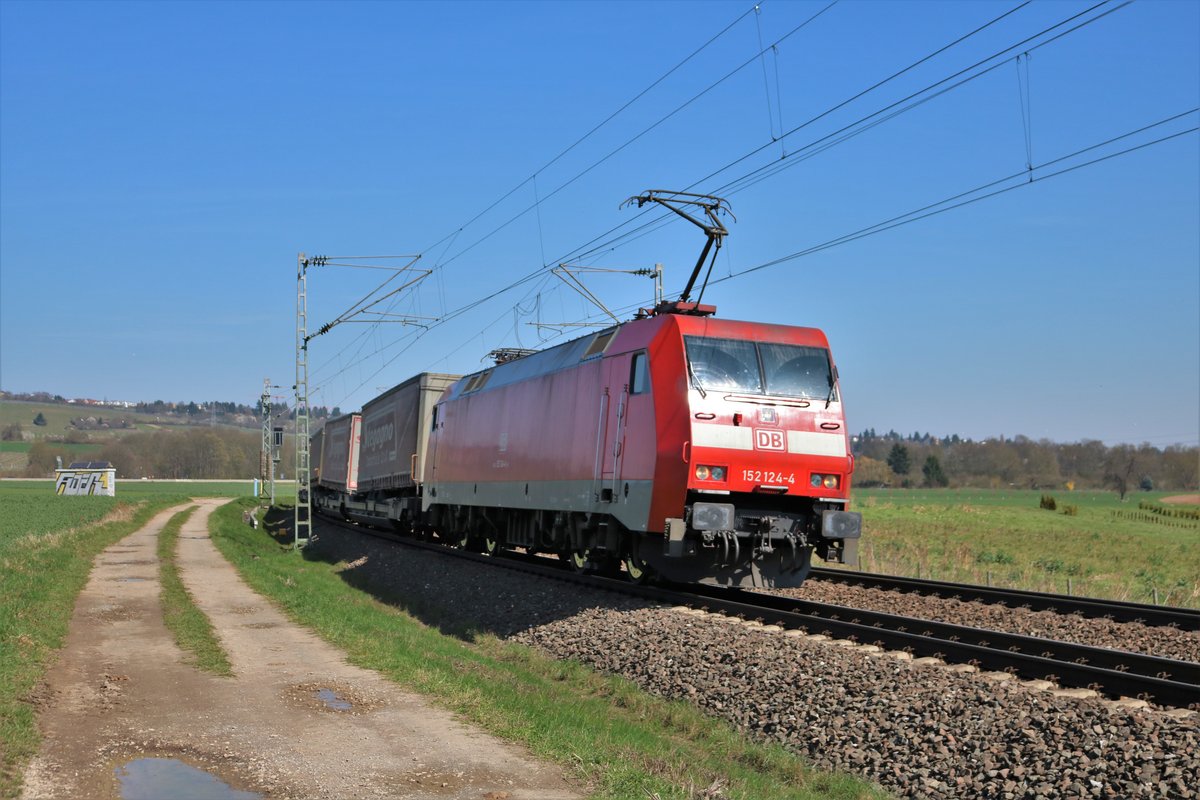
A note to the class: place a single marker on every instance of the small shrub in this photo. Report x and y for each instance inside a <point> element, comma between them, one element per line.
<point>1048,502</point>
<point>1056,565</point>
<point>1071,511</point>
<point>994,557</point>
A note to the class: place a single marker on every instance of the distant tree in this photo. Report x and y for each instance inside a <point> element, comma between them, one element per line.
<point>43,458</point>
<point>898,459</point>
<point>934,475</point>
<point>1119,468</point>
<point>11,433</point>
<point>1147,484</point>
<point>870,472</point>
<point>39,419</point>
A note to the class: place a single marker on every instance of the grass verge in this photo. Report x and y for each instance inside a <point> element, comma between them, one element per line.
<point>188,624</point>
<point>43,568</point>
<point>1102,547</point>
<point>616,739</point>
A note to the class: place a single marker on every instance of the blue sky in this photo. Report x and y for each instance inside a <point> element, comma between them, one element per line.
<point>162,164</point>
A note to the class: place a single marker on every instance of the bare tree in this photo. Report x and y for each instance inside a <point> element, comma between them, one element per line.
<point>1120,467</point>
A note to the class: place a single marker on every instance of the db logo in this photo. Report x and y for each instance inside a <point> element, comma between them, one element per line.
<point>769,440</point>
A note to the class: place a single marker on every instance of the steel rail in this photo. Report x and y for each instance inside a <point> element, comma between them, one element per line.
<point>1115,673</point>
<point>1121,611</point>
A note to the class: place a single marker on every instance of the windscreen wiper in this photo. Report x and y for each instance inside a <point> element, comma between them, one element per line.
<point>832,386</point>
<point>695,380</point>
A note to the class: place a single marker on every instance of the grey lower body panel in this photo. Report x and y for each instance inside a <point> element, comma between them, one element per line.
<point>629,503</point>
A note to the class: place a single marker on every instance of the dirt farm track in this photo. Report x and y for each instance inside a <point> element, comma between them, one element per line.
<point>120,690</point>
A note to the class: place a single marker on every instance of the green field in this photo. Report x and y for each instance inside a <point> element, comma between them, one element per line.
<point>1005,538</point>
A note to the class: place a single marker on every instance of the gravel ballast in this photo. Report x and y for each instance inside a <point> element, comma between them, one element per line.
<point>1162,641</point>
<point>919,730</point>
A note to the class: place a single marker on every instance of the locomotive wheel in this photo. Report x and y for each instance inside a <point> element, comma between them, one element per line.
<point>461,539</point>
<point>490,545</point>
<point>577,560</point>
<point>636,570</point>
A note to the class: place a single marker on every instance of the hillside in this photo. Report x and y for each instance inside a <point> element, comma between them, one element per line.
<point>79,432</point>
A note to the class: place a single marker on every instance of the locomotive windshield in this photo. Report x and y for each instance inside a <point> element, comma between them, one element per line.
<point>746,367</point>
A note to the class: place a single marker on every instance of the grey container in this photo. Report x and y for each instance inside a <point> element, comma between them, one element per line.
<point>339,455</point>
<point>395,432</point>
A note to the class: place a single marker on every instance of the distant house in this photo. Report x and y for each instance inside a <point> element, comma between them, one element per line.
<point>86,478</point>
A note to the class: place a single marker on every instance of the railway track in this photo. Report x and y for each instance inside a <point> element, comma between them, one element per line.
<point>1183,618</point>
<point>1110,672</point>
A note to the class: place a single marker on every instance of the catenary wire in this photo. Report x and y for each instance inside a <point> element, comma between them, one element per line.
<point>527,277</point>
<point>574,254</point>
<point>794,30</point>
<point>774,167</point>
<point>871,230</point>
<point>451,237</point>
<point>599,125</point>
<point>628,142</point>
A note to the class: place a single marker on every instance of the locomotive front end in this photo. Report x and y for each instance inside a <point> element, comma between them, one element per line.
<point>768,457</point>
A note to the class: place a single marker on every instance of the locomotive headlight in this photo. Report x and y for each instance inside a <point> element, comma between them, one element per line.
<point>816,481</point>
<point>827,481</point>
<point>705,472</point>
<point>831,482</point>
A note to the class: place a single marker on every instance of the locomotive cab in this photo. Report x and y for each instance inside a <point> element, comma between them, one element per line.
<point>767,458</point>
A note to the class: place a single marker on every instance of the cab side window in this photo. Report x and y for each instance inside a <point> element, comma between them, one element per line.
<point>639,374</point>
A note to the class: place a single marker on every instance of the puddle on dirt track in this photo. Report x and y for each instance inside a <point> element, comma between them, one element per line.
<point>333,700</point>
<point>158,778</point>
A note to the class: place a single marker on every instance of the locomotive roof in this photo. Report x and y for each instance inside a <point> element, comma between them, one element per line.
<point>571,353</point>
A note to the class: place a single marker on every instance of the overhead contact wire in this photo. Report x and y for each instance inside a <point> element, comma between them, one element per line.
<point>850,130</point>
<point>601,124</point>
<point>868,90</point>
<point>905,219</point>
<point>632,140</point>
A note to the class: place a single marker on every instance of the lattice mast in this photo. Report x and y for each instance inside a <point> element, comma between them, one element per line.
<point>364,310</point>
<point>302,528</point>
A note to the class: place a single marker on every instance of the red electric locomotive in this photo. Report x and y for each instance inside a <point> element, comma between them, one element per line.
<point>676,444</point>
<point>700,449</point>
